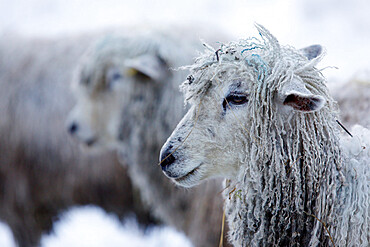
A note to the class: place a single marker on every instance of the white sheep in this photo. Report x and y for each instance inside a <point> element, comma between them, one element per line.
<point>262,118</point>
<point>128,98</point>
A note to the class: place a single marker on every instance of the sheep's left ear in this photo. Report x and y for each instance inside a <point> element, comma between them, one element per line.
<point>312,51</point>
<point>294,94</point>
<point>149,65</point>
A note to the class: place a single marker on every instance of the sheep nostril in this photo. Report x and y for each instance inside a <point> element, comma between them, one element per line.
<point>167,159</point>
<point>73,128</point>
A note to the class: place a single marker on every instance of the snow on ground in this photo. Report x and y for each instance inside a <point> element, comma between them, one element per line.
<point>92,227</point>
<point>6,237</point>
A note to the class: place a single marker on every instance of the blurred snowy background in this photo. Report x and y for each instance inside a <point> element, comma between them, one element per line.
<point>342,27</point>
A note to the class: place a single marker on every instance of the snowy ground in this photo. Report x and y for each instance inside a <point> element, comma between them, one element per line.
<point>92,227</point>
<point>6,239</point>
<point>343,27</point>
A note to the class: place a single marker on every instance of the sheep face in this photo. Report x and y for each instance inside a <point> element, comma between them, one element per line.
<point>214,137</point>
<point>95,117</point>
<point>111,91</point>
<point>202,146</point>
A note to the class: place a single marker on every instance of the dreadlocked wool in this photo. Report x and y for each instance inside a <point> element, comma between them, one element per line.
<point>297,185</point>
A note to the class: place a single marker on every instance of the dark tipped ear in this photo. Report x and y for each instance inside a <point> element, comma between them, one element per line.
<point>304,102</point>
<point>149,65</point>
<point>312,51</point>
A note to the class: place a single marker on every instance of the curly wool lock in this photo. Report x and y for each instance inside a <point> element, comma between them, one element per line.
<point>292,188</point>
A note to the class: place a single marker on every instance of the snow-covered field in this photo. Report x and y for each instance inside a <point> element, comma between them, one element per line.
<point>343,27</point>
<point>92,227</point>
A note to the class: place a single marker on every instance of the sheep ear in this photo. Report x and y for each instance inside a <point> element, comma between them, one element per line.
<point>312,51</point>
<point>148,65</point>
<point>304,103</point>
<point>297,96</point>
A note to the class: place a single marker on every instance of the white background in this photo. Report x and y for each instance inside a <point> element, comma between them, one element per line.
<point>342,26</point>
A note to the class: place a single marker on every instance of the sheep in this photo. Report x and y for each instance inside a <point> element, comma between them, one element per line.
<point>43,172</point>
<point>262,118</point>
<point>354,106</point>
<point>127,99</point>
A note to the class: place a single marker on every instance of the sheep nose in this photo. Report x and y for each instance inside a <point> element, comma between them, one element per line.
<point>167,159</point>
<point>72,128</point>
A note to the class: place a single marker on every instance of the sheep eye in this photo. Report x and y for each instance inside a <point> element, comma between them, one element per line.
<point>84,78</point>
<point>116,76</point>
<point>235,99</point>
<point>113,75</point>
<point>86,81</point>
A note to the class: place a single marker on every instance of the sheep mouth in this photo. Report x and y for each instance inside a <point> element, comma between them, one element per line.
<point>186,177</point>
<point>90,142</point>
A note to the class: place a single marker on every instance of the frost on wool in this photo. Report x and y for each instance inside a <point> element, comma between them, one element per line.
<point>295,180</point>
<point>355,211</point>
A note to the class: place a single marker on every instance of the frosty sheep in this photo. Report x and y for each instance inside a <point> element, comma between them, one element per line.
<point>127,98</point>
<point>262,118</point>
<point>42,171</point>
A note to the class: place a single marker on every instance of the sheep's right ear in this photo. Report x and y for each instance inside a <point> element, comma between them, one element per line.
<point>149,65</point>
<point>312,51</point>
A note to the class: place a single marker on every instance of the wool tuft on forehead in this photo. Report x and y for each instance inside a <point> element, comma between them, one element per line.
<point>262,60</point>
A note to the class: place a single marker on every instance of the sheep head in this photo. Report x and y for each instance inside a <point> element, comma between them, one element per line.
<point>233,93</point>
<point>115,77</point>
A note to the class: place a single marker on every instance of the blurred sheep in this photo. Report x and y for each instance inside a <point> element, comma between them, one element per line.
<point>128,98</point>
<point>42,171</point>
